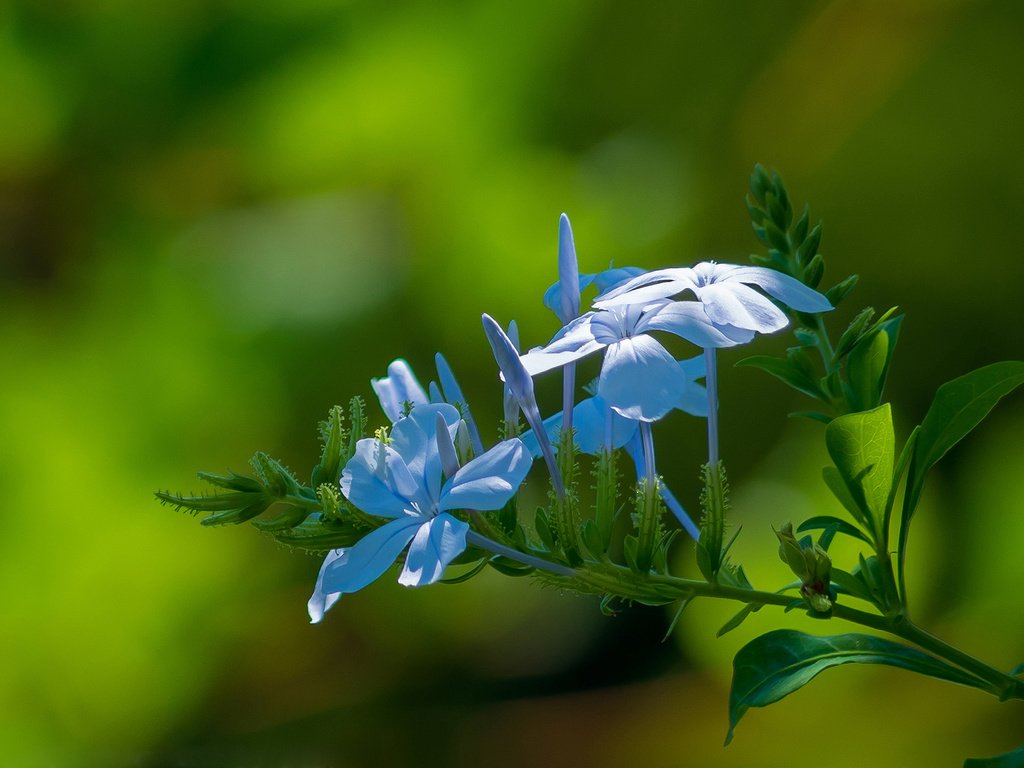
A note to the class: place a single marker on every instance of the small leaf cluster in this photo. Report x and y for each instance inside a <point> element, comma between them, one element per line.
<point>312,516</point>
<point>849,375</point>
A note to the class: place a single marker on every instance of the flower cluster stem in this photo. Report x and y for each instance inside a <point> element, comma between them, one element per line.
<point>711,380</point>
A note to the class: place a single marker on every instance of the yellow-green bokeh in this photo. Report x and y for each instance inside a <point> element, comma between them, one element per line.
<point>218,219</point>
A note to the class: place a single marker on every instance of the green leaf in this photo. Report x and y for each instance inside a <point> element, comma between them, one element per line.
<point>841,526</point>
<point>800,228</point>
<point>775,664</point>
<point>785,371</point>
<point>236,516</point>
<point>543,527</point>
<point>868,364</point>
<point>739,618</point>
<point>775,236</point>
<point>760,183</point>
<point>809,247</point>
<point>757,213</point>
<point>837,485</point>
<point>824,418</point>
<point>231,481</point>
<point>959,407</point>
<point>332,435</point>
<point>851,584</point>
<point>776,210</point>
<point>814,271</point>
<point>852,333</point>
<point>841,290</point>
<point>319,535</point>
<point>1014,759</point>
<point>862,445</point>
<point>477,567</point>
<point>289,518</point>
<point>509,567</point>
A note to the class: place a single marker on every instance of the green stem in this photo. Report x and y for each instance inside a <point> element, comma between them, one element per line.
<point>827,352</point>
<point>490,545</point>
<point>624,583</point>
<point>1001,684</point>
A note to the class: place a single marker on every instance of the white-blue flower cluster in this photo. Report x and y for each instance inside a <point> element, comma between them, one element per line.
<point>415,479</point>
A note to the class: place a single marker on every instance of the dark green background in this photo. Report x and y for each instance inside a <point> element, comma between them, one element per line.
<point>217,219</point>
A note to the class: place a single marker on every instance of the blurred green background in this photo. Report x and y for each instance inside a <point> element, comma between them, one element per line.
<point>217,219</point>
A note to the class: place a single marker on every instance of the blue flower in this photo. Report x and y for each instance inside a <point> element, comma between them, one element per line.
<point>400,389</point>
<point>639,378</point>
<point>404,479</point>
<point>725,293</point>
<point>597,427</point>
<point>604,281</point>
<point>519,384</point>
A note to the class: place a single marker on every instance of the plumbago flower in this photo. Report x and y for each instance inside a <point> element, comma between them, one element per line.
<point>400,390</point>
<point>639,378</point>
<point>414,478</point>
<point>598,427</point>
<point>725,293</point>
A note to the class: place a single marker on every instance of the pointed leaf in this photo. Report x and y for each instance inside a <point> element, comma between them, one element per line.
<point>785,371</point>
<point>868,364</point>
<point>851,584</point>
<point>841,526</point>
<point>841,290</point>
<point>959,407</point>
<point>775,664</point>
<point>863,448</point>
<point>1014,759</point>
<point>739,618</point>
<point>837,485</point>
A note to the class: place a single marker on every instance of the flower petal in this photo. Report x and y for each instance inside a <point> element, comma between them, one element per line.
<point>414,439</point>
<point>736,304</point>
<point>786,289</point>
<point>377,481</point>
<point>590,419</point>
<point>397,388</point>
<point>689,320</point>
<point>552,424</point>
<point>568,273</point>
<point>320,603</point>
<point>694,367</point>
<point>614,276</point>
<point>506,355</point>
<point>693,400</point>
<point>658,284</point>
<point>640,379</point>
<point>553,295</point>
<point>435,545</point>
<point>572,343</point>
<point>488,481</point>
<point>446,447</point>
<point>368,558</point>
<point>453,394</point>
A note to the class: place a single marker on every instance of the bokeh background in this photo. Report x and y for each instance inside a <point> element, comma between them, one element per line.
<point>217,219</point>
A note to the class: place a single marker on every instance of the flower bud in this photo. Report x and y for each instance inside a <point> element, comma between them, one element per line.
<point>811,564</point>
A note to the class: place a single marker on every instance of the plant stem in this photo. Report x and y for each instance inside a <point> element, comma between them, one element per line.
<point>625,583</point>
<point>490,545</point>
<point>827,353</point>
<point>1002,685</point>
<point>622,582</point>
<point>711,380</point>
